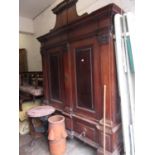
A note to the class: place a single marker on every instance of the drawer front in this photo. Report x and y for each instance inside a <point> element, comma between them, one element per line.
<point>85,129</point>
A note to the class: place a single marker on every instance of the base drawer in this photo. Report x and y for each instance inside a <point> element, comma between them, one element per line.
<point>85,129</point>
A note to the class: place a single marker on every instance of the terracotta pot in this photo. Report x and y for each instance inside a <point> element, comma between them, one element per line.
<point>57,147</point>
<point>57,135</point>
<point>56,128</point>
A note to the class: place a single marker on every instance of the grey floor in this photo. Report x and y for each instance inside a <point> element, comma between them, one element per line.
<point>40,147</point>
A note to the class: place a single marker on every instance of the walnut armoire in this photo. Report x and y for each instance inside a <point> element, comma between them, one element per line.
<point>78,60</point>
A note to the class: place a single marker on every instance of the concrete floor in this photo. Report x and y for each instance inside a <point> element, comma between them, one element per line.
<point>40,147</point>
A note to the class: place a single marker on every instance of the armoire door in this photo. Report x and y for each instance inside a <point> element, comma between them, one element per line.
<point>86,77</point>
<point>56,78</point>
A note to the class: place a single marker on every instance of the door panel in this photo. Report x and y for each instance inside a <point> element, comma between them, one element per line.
<point>87,99</point>
<point>56,76</point>
<point>84,77</point>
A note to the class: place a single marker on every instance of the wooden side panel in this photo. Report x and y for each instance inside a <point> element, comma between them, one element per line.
<point>108,75</point>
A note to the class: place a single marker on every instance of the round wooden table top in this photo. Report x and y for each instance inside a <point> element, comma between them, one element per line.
<point>40,111</point>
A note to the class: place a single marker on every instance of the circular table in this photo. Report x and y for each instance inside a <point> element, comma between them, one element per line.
<point>42,113</point>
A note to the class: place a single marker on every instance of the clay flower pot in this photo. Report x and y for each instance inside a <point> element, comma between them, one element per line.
<point>57,147</point>
<point>57,135</point>
<point>56,128</point>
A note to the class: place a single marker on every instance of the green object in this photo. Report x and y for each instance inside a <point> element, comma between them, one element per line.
<point>129,49</point>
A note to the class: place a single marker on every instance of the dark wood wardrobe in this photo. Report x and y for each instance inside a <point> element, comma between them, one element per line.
<point>78,60</point>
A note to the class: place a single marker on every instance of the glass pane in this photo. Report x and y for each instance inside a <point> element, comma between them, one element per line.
<point>55,76</point>
<point>84,77</point>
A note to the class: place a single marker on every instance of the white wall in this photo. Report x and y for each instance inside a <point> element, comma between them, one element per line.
<point>26,25</point>
<point>29,42</point>
<point>126,5</point>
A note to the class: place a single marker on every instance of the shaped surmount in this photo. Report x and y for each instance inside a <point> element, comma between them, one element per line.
<point>66,13</point>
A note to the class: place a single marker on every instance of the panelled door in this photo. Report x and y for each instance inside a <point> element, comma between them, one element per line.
<point>56,77</point>
<point>86,77</point>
